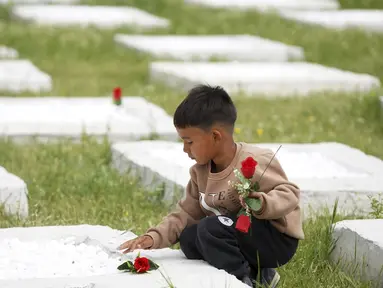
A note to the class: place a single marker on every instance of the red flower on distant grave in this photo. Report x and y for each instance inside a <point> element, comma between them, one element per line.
<point>117,93</point>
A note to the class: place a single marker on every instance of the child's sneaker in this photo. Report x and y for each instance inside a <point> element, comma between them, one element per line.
<point>270,277</point>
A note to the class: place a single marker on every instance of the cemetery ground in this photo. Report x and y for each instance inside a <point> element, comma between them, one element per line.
<point>74,183</point>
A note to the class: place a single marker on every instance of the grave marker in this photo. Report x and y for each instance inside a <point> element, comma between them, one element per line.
<point>35,254</point>
<point>60,117</point>
<point>368,20</point>
<point>106,17</point>
<point>324,171</point>
<point>13,194</point>
<point>228,47</point>
<point>18,76</point>
<point>8,53</point>
<point>264,5</point>
<point>260,78</point>
<point>360,245</point>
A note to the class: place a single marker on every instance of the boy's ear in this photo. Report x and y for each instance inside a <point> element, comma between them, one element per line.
<point>217,136</point>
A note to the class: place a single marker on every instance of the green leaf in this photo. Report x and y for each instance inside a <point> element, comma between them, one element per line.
<point>153,266</point>
<point>254,204</point>
<point>255,186</point>
<point>241,212</point>
<point>126,266</point>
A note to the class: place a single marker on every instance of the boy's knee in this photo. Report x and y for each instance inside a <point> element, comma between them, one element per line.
<point>214,225</point>
<point>187,235</point>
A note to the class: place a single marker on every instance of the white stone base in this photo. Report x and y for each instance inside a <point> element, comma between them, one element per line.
<point>57,117</point>
<point>99,16</point>
<point>8,53</point>
<point>5,2</point>
<point>369,20</point>
<point>182,272</point>
<point>324,171</point>
<point>228,47</point>
<point>13,194</point>
<point>360,245</point>
<point>257,78</point>
<point>269,4</point>
<point>18,76</point>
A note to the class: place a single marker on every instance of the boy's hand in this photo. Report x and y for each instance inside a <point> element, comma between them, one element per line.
<point>141,242</point>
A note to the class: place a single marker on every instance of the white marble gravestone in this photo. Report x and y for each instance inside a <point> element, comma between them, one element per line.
<point>204,47</point>
<point>13,194</point>
<point>57,117</point>
<point>262,78</point>
<point>264,5</point>
<point>381,101</point>
<point>324,171</point>
<point>81,15</point>
<point>21,75</point>
<point>86,256</point>
<point>8,53</point>
<point>369,20</point>
<point>5,2</point>
<point>360,245</point>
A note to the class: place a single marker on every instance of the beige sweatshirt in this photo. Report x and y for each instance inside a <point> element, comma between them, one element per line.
<point>210,194</point>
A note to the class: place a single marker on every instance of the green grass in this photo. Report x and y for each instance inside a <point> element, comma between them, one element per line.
<point>72,184</point>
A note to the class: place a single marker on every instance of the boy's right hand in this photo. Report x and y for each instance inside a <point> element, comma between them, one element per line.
<point>141,242</point>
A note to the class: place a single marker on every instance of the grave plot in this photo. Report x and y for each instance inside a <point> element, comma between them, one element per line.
<point>227,47</point>
<point>5,2</point>
<point>260,78</point>
<point>98,16</point>
<point>264,5</point>
<point>8,53</point>
<point>359,248</point>
<point>21,75</point>
<point>324,171</point>
<point>13,195</point>
<point>58,117</point>
<point>86,256</point>
<point>369,20</point>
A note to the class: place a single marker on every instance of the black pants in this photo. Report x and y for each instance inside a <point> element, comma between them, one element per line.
<point>215,240</point>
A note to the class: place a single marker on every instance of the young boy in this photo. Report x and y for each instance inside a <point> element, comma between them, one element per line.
<point>204,220</point>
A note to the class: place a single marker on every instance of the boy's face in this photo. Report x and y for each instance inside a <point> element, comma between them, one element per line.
<point>199,144</point>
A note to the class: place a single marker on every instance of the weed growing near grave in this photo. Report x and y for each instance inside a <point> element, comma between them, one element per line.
<point>73,183</point>
<point>377,207</point>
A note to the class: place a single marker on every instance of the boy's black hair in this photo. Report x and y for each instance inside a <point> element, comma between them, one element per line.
<point>205,106</point>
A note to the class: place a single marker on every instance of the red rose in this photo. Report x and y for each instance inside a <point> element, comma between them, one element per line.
<point>243,223</point>
<point>248,167</point>
<point>117,93</point>
<point>141,264</point>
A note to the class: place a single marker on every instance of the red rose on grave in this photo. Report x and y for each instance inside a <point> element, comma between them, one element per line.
<point>141,264</point>
<point>248,167</point>
<point>117,93</point>
<point>243,223</point>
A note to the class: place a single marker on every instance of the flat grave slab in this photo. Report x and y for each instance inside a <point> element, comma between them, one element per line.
<point>107,17</point>
<point>13,194</point>
<point>324,171</point>
<point>369,20</point>
<point>228,47</point>
<point>360,245</point>
<point>57,117</point>
<point>86,256</point>
<point>21,76</point>
<point>269,4</point>
<point>260,78</point>
<point>8,53</point>
<point>5,2</point>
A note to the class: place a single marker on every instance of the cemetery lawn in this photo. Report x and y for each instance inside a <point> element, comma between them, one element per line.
<point>74,184</point>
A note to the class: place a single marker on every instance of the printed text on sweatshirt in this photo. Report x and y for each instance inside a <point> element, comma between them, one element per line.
<point>209,194</point>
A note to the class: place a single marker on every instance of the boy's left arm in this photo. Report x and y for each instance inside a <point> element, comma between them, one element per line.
<point>279,196</point>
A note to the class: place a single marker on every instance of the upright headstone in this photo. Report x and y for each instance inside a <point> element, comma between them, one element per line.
<point>8,53</point>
